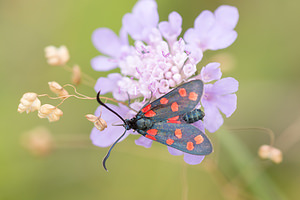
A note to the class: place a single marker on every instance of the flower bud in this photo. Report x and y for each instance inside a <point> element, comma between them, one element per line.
<point>38,141</point>
<point>29,103</point>
<point>57,56</point>
<point>76,75</point>
<point>58,89</point>
<point>99,123</point>
<point>271,153</point>
<point>50,112</point>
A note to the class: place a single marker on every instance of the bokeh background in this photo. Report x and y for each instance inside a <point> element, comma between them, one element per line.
<point>264,58</point>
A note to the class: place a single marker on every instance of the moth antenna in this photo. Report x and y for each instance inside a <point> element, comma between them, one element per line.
<point>129,103</point>
<point>108,153</point>
<point>118,125</point>
<point>101,103</point>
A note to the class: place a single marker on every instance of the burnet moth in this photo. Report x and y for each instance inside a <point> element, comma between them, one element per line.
<point>168,120</point>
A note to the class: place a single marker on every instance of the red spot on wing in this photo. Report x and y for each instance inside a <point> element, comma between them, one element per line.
<point>174,118</point>
<point>182,92</point>
<point>150,137</point>
<point>170,141</point>
<point>189,146</point>
<point>178,133</point>
<point>174,107</point>
<point>193,96</point>
<point>150,113</point>
<point>164,101</point>
<point>174,121</point>
<point>146,109</point>
<point>199,139</point>
<point>152,131</point>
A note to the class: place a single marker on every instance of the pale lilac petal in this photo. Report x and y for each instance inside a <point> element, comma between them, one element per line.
<point>191,36</point>
<point>103,63</point>
<point>211,72</point>
<point>192,159</point>
<point>226,86</point>
<point>223,41</point>
<point>204,22</point>
<point>195,53</point>
<point>213,120</point>
<point>147,11</point>
<point>133,27</point>
<point>171,29</point>
<point>214,31</point>
<point>107,42</point>
<point>227,104</point>
<point>109,135</point>
<point>174,152</point>
<point>143,141</point>
<point>108,84</point>
<point>228,16</point>
<point>209,96</point>
<point>124,37</point>
<point>199,124</point>
<point>119,95</point>
<point>142,20</point>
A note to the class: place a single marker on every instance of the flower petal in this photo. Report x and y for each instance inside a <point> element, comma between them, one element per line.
<point>142,20</point>
<point>227,104</point>
<point>228,16</point>
<point>192,159</point>
<point>143,141</point>
<point>191,36</point>
<point>213,120</point>
<point>103,63</point>
<point>171,29</point>
<point>199,124</point>
<point>226,86</point>
<point>224,40</point>
<point>107,42</point>
<point>204,22</point>
<point>174,152</point>
<point>195,53</point>
<point>214,31</point>
<point>211,72</point>
<point>108,84</point>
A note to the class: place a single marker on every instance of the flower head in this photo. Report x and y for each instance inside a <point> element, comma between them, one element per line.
<point>50,112</point>
<point>218,96</point>
<point>271,153</point>
<point>29,103</point>
<point>158,61</point>
<point>57,56</point>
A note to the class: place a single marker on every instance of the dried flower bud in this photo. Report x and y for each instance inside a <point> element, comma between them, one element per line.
<point>57,56</point>
<point>38,141</point>
<point>99,123</point>
<point>269,152</point>
<point>76,75</point>
<point>29,103</point>
<point>50,112</point>
<point>58,89</point>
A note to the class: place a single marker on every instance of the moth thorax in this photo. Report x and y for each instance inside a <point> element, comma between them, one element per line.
<point>193,116</point>
<point>143,124</point>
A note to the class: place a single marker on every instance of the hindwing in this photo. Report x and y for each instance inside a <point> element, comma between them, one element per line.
<point>184,137</point>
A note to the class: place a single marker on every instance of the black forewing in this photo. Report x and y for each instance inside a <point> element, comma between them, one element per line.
<point>185,104</point>
<point>189,132</point>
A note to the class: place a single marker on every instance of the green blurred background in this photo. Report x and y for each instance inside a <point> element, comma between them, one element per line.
<point>264,59</point>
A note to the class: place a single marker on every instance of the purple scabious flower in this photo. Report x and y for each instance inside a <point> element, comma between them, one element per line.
<point>159,60</point>
<point>218,96</point>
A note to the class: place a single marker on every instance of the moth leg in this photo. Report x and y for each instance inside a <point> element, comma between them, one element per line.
<point>130,103</point>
